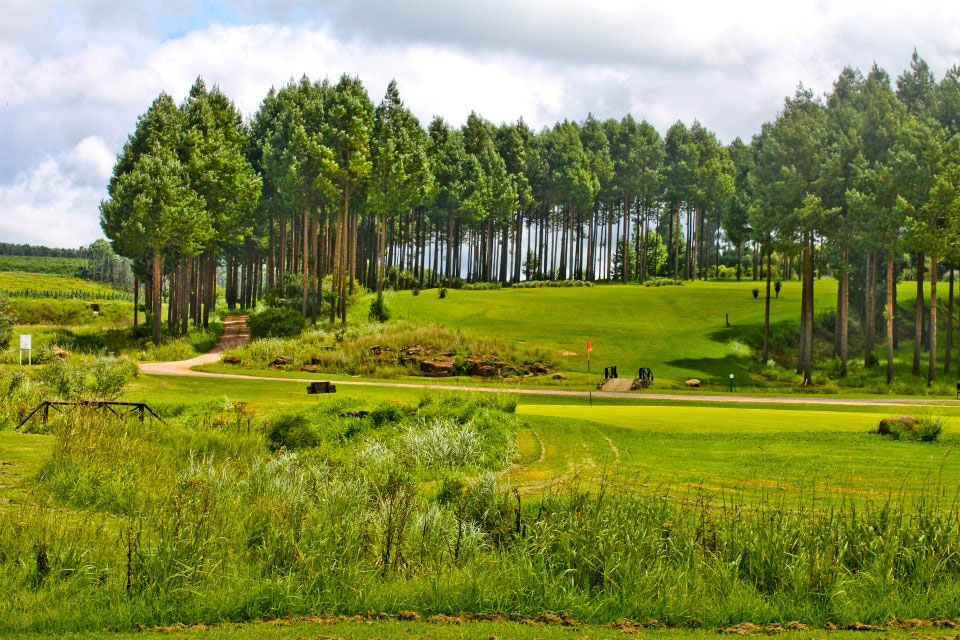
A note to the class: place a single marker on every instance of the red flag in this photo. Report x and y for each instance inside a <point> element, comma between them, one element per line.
<point>589,348</point>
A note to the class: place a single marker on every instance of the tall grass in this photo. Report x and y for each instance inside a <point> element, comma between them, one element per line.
<point>200,520</point>
<point>378,350</point>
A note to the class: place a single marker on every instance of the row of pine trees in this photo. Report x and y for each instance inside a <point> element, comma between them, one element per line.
<point>321,183</point>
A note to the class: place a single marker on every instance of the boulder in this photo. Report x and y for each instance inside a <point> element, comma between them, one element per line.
<point>413,352</point>
<point>692,382</point>
<point>379,349</point>
<point>437,366</point>
<point>906,423</point>
<point>310,368</point>
<point>63,354</point>
<point>558,376</point>
<point>280,361</point>
<point>537,369</point>
<point>231,359</point>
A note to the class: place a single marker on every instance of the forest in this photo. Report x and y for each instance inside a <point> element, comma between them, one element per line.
<point>322,191</point>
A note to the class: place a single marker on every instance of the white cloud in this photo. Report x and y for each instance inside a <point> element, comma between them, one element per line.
<point>46,206</point>
<point>76,76</point>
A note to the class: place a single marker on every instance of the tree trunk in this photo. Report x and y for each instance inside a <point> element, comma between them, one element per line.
<point>136,301</point>
<point>868,311</point>
<point>949,345</point>
<point>918,331</point>
<point>156,282</point>
<point>282,254</point>
<point>766,316</point>
<point>934,276</point>
<point>890,315</point>
<point>808,340</point>
<point>845,306</point>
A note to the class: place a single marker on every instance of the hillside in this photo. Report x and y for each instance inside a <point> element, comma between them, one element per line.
<point>42,264</point>
<point>35,285</point>
<point>679,332</point>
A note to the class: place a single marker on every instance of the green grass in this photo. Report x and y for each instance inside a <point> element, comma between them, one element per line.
<point>786,451</point>
<point>42,264</point>
<point>707,518</point>
<point>363,629</point>
<point>679,332</point>
<point>757,453</point>
<point>19,281</point>
<point>20,455</point>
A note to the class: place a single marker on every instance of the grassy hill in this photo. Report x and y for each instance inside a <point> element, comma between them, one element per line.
<point>679,332</point>
<point>23,284</point>
<point>42,264</point>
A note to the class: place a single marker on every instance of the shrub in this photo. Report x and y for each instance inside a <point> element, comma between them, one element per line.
<point>756,293</point>
<point>416,290</point>
<point>929,427</point>
<point>378,310</point>
<point>63,378</point>
<point>776,287</point>
<point>443,292</point>
<point>276,322</point>
<point>292,431</point>
<point>7,320</point>
<point>111,375</point>
<point>481,286</point>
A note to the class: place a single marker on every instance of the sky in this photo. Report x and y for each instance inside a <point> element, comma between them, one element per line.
<point>74,76</point>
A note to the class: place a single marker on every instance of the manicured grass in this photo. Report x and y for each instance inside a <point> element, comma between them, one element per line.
<point>679,332</point>
<point>774,453</point>
<point>472,630</point>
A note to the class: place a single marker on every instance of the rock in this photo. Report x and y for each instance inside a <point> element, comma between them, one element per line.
<point>310,368</point>
<point>379,349</point>
<point>280,361</point>
<point>328,347</point>
<point>413,352</point>
<point>538,369</point>
<point>437,366</point>
<point>60,353</point>
<point>231,359</point>
<point>907,423</point>
<point>692,382</point>
<point>558,376</point>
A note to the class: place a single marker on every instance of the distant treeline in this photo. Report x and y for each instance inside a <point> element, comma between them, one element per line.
<point>97,262</point>
<point>11,249</point>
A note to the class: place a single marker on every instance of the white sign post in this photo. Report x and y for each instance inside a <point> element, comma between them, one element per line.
<point>26,344</point>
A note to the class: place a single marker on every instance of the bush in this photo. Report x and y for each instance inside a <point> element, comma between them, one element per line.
<point>63,378</point>
<point>481,286</point>
<point>443,292</point>
<point>663,282</point>
<point>378,310</point>
<point>292,431</point>
<point>276,322</point>
<point>929,427</point>
<point>536,284</point>
<point>756,293</point>
<point>7,320</point>
<point>111,375</point>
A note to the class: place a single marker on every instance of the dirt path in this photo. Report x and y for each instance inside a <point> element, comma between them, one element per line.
<point>236,333</point>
